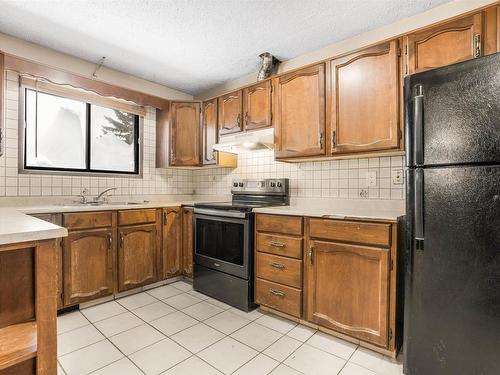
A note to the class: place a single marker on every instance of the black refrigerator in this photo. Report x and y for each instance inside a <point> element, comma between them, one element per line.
<point>452,252</point>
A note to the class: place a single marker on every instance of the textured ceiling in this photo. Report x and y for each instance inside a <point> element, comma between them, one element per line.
<point>194,45</point>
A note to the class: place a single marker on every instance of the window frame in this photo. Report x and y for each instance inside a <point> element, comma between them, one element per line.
<point>87,171</point>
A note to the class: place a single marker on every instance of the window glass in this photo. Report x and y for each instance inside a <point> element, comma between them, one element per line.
<point>113,140</point>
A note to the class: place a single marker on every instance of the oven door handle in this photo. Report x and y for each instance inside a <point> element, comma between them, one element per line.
<point>221,213</point>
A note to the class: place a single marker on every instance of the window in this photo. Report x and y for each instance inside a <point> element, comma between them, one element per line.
<point>63,134</point>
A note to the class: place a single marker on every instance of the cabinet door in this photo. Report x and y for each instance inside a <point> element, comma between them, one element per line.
<point>172,242</point>
<point>136,256</point>
<point>230,120</point>
<point>187,241</point>
<point>88,265</point>
<point>365,100</point>
<point>257,106</point>
<point>445,44</point>
<point>209,131</point>
<point>185,134</point>
<point>299,109</point>
<point>347,290</point>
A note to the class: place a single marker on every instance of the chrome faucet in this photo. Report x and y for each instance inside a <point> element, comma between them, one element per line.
<point>96,199</point>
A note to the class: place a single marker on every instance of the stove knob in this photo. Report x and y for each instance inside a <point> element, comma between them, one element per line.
<point>235,184</point>
<point>272,184</point>
<point>241,184</point>
<point>278,184</point>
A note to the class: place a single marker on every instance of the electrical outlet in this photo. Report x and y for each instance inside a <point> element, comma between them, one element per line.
<point>397,177</point>
<point>371,179</point>
<point>363,193</point>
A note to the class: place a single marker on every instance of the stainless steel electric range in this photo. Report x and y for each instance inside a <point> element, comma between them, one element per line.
<point>224,237</point>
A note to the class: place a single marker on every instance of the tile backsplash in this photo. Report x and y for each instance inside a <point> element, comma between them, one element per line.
<point>327,179</point>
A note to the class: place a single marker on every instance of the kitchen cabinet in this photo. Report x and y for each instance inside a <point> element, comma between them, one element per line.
<point>88,258</point>
<point>257,106</point>
<point>137,256</point>
<point>187,241</point>
<point>185,134</point>
<point>445,44</point>
<point>209,130</point>
<point>230,118</point>
<point>172,242</point>
<point>299,113</point>
<point>365,100</point>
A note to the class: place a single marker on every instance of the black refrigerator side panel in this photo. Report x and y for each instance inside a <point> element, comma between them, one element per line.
<point>456,110</point>
<point>453,293</point>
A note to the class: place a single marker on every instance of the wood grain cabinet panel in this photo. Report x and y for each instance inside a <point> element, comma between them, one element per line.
<point>279,269</point>
<point>230,118</point>
<point>185,134</point>
<point>257,106</point>
<point>445,44</point>
<point>299,111</point>
<point>88,258</point>
<point>187,241</point>
<point>292,225</point>
<point>87,220</point>
<point>172,242</point>
<point>137,256</point>
<point>279,297</point>
<point>377,234</point>
<point>365,100</point>
<point>209,131</point>
<point>348,290</point>
<point>279,245</point>
<point>134,217</point>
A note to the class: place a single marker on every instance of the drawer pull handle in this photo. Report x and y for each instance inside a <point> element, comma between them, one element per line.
<point>277,292</point>
<point>276,244</point>
<point>277,265</point>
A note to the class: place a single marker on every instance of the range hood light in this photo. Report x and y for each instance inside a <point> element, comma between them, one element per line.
<point>245,142</point>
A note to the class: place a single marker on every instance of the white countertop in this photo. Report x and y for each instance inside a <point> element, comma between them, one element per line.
<point>18,227</point>
<point>340,209</point>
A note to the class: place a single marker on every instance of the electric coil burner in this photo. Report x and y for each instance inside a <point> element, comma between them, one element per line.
<point>224,237</point>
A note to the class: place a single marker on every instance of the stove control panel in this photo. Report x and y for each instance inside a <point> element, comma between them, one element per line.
<point>269,186</point>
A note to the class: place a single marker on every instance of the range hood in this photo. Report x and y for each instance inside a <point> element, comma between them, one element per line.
<point>248,141</point>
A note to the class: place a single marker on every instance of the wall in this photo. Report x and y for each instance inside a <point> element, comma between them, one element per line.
<point>321,179</point>
<point>154,181</point>
<point>434,15</point>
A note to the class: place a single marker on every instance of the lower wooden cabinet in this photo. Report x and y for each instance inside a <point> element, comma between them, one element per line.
<point>172,242</point>
<point>348,289</point>
<point>187,241</point>
<point>88,258</point>
<point>137,256</point>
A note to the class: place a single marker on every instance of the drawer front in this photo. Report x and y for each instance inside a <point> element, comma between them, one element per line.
<point>279,269</point>
<point>351,231</point>
<point>132,217</point>
<point>279,245</point>
<point>279,297</point>
<point>88,220</point>
<point>280,224</point>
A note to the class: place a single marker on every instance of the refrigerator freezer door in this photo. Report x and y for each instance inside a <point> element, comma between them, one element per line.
<point>452,294</point>
<point>452,114</point>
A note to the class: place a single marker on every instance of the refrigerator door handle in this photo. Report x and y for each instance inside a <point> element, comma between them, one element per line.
<point>418,123</point>
<point>419,208</point>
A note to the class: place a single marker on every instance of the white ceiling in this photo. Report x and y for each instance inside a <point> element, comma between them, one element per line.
<point>194,45</point>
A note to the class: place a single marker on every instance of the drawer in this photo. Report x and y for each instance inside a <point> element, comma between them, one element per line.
<point>351,231</point>
<point>88,220</point>
<point>279,245</point>
<point>279,224</point>
<point>279,269</point>
<point>279,297</point>
<point>132,217</point>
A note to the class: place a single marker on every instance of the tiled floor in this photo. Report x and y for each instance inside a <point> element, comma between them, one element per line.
<point>175,330</point>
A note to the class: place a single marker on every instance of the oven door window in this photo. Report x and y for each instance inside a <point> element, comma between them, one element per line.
<point>220,240</point>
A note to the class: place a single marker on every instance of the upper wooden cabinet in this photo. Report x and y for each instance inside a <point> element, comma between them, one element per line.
<point>209,131</point>
<point>185,134</point>
<point>257,111</point>
<point>88,258</point>
<point>445,44</point>
<point>299,111</point>
<point>365,100</point>
<point>137,256</point>
<point>230,119</point>
<point>172,242</point>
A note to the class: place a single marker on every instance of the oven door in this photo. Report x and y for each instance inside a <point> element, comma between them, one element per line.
<point>223,243</point>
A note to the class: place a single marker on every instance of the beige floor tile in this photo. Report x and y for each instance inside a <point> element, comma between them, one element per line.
<point>117,324</point>
<point>192,366</point>
<point>282,348</point>
<point>173,323</point>
<point>136,300</point>
<point>256,336</point>
<point>70,321</point>
<point>218,303</point>
<point>181,301</point>
<point>332,345</point>
<point>227,355</point>
<point>301,333</point>
<point>202,310</point>
<point>277,323</point>
<point>182,285</point>
<point>122,367</point>
<point>227,322</point>
<point>312,361</point>
<point>198,295</point>
<point>78,338</point>
<point>260,365</point>
<point>60,370</point>
<point>154,311</point>
<point>354,369</point>
<point>285,370</point>
<point>165,291</point>
<point>137,338</point>
<point>159,357</point>
<point>90,358</point>
<point>252,315</point>
<point>376,362</point>
<point>103,311</point>
<point>197,337</point>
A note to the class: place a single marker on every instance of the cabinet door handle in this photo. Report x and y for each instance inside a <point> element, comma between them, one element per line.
<point>121,240</point>
<point>477,45</point>
<point>164,218</point>
<point>238,120</point>
<point>280,266</point>
<point>321,136</point>
<point>334,139</point>
<point>311,255</point>
<point>277,292</point>
<point>246,118</point>
<point>110,241</point>
<point>276,244</point>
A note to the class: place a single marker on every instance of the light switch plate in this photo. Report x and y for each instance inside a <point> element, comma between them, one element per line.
<point>397,177</point>
<point>371,178</point>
